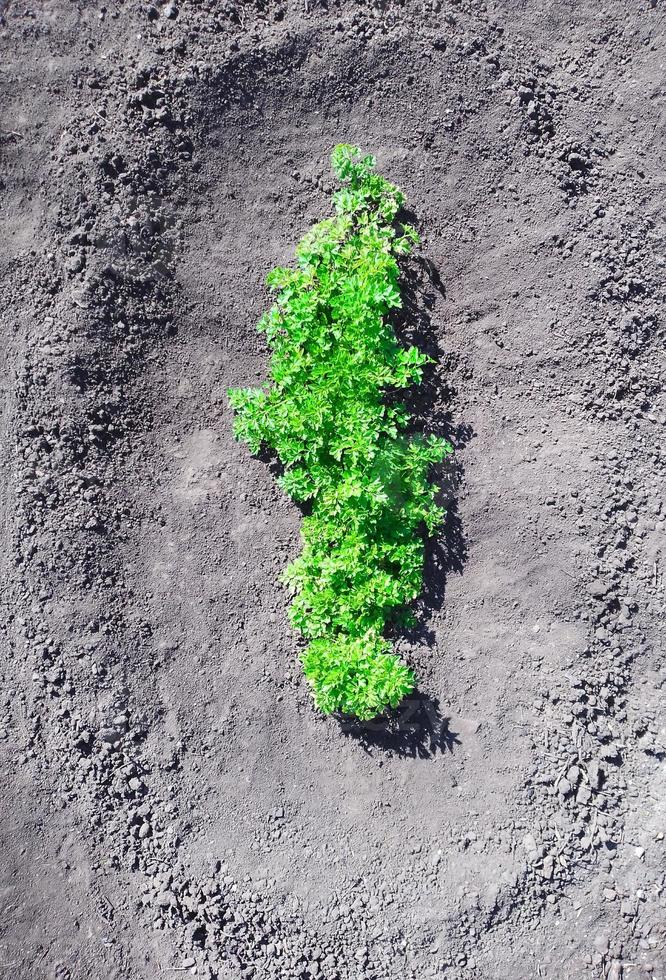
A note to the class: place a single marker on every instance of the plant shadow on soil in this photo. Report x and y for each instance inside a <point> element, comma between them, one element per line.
<point>428,405</point>
<point>417,728</point>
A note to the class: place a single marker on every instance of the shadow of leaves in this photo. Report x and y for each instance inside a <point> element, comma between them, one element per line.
<point>416,729</point>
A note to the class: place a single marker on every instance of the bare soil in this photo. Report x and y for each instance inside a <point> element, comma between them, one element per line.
<point>171,802</point>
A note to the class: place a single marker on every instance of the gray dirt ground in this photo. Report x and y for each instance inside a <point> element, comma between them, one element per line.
<point>170,801</point>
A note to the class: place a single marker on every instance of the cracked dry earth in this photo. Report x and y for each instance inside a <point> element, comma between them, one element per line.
<point>171,803</point>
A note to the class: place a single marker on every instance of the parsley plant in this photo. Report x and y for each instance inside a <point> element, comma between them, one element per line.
<point>345,451</point>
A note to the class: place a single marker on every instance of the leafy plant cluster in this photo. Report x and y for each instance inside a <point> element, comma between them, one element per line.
<point>343,446</point>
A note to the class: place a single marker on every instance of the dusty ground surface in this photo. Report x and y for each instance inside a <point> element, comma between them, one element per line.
<point>170,801</point>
